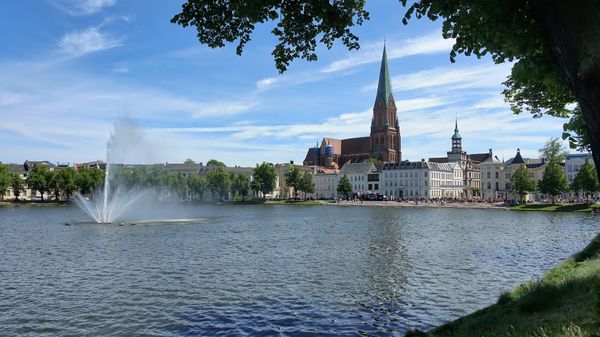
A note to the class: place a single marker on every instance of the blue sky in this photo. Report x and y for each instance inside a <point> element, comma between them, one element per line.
<point>70,68</point>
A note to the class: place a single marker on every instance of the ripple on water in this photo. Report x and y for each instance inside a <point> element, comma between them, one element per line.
<point>270,271</point>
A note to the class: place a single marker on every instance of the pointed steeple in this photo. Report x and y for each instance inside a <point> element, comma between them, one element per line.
<point>456,135</point>
<point>384,87</point>
<point>518,158</point>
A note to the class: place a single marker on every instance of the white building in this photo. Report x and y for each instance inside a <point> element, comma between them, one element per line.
<point>326,183</point>
<point>422,180</point>
<point>573,163</point>
<point>363,177</point>
<point>495,178</point>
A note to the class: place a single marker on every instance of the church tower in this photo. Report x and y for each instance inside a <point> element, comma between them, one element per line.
<point>385,132</point>
<point>456,154</point>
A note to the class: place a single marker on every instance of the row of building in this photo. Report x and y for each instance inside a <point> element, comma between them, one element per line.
<point>435,178</point>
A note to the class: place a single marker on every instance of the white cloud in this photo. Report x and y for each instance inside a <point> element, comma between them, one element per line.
<point>267,82</point>
<point>87,41</point>
<point>70,120</point>
<point>121,70</point>
<point>82,7</point>
<point>452,78</point>
<point>93,6</point>
<point>428,44</point>
<point>225,108</point>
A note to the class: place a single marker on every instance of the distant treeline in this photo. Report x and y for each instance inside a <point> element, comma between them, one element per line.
<point>61,183</point>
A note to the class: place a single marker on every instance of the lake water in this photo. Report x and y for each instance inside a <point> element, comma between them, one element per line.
<point>270,270</point>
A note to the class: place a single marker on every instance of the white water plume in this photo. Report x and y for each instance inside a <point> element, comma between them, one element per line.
<point>127,144</point>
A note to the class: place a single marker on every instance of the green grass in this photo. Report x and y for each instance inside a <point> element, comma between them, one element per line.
<point>565,302</point>
<point>589,207</point>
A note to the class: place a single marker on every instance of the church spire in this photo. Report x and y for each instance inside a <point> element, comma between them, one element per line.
<point>456,134</point>
<point>384,87</point>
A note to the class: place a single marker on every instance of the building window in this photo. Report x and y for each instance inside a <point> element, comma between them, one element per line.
<point>489,175</point>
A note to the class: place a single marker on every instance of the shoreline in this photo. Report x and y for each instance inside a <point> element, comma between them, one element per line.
<point>565,302</point>
<point>555,208</point>
<point>395,204</point>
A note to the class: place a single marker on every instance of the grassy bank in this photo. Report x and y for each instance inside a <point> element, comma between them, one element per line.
<point>589,207</point>
<point>565,302</point>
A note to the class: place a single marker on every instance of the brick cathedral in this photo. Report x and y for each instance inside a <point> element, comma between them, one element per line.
<point>384,142</point>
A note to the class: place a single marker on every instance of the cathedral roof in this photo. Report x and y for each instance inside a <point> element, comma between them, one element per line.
<point>310,156</point>
<point>353,146</point>
<point>384,87</point>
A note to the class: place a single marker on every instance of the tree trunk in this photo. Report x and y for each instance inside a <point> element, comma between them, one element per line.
<point>573,33</point>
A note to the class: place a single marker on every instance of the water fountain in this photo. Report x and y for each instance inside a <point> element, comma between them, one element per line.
<point>109,203</point>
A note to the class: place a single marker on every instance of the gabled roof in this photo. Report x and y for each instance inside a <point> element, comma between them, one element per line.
<point>29,164</point>
<point>439,159</point>
<point>16,168</point>
<point>328,171</point>
<point>310,156</point>
<point>417,165</point>
<point>183,167</point>
<point>534,165</point>
<point>384,87</point>
<point>349,168</point>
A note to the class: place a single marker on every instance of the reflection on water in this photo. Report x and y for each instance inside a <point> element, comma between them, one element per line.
<point>269,270</point>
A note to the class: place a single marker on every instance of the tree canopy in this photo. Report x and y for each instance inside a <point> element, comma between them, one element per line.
<point>554,181</point>
<point>344,186</point>
<point>307,185</point>
<point>38,179</point>
<point>553,43</point>
<point>586,179</point>
<point>521,183</point>
<point>5,180</point>
<point>214,162</point>
<point>300,25</point>
<point>218,182</point>
<point>17,185</point>
<point>264,178</point>
<point>293,179</point>
<point>240,184</point>
<point>553,150</point>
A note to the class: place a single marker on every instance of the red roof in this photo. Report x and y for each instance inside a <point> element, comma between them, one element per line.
<point>354,146</point>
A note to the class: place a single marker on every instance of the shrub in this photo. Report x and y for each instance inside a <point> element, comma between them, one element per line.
<point>596,296</point>
<point>415,333</point>
<point>504,298</point>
